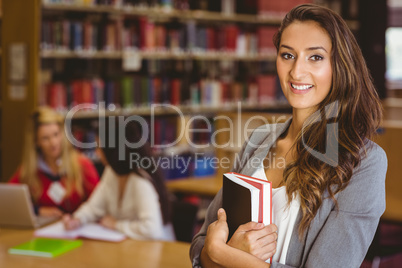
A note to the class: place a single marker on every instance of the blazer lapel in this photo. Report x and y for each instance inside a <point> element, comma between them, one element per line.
<point>258,155</point>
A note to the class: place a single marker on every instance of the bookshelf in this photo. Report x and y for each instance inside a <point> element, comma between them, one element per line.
<point>157,55</point>
<point>50,56</point>
<point>1,99</point>
<point>163,13</point>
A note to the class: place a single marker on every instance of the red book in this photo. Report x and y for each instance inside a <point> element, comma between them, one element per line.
<point>143,21</point>
<point>87,92</point>
<point>160,37</point>
<point>232,32</point>
<point>157,87</point>
<point>175,92</point>
<point>88,32</point>
<point>265,42</point>
<point>76,88</point>
<point>265,7</point>
<point>211,42</point>
<point>246,199</point>
<point>149,35</point>
<point>266,88</point>
<point>57,96</point>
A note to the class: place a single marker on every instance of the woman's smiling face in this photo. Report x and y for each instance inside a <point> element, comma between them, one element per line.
<point>304,64</point>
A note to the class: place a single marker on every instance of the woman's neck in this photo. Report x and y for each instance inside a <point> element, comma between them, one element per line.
<point>52,164</point>
<point>299,116</point>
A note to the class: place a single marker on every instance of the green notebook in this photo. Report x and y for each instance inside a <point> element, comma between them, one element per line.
<point>45,247</point>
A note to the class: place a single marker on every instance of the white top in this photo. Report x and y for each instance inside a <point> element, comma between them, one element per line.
<point>283,216</point>
<point>138,215</point>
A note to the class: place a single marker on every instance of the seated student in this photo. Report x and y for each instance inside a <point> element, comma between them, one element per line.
<point>330,194</point>
<point>130,198</point>
<point>59,177</point>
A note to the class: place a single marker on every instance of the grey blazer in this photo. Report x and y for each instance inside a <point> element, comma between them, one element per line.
<point>335,238</point>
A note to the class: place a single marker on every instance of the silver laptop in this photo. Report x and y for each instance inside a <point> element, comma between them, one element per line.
<point>16,208</point>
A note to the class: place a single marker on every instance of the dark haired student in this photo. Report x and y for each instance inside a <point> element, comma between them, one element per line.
<point>328,198</point>
<point>129,198</point>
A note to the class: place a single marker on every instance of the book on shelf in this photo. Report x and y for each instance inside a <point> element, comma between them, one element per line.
<point>90,231</point>
<point>45,247</point>
<point>133,91</point>
<point>143,34</point>
<point>267,88</point>
<point>265,35</point>
<point>277,8</point>
<point>246,199</point>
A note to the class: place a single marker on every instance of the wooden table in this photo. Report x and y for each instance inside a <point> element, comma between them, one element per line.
<point>98,254</point>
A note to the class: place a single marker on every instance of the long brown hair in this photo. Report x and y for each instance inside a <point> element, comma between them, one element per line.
<point>117,141</point>
<point>352,106</point>
<point>70,166</point>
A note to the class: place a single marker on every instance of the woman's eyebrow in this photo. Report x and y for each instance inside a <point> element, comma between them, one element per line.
<point>310,48</point>
<point>316,48</point>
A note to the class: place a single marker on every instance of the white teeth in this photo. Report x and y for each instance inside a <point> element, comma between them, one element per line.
<point>304,87</point>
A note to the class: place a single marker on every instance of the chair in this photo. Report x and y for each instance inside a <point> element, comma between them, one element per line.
<point>184,215</point>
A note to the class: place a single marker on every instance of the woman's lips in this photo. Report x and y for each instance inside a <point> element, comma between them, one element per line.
<point>299,88</point>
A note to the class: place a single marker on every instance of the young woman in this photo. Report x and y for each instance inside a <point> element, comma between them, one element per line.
<point>131,197</point>
<point>59,177</point>
<point>328,198</point>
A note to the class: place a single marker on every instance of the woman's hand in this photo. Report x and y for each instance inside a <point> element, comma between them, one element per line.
<point>50,212</point>
<point>70,223</point>
<point>216,237</point>
<point>256,239</point>
<point>216,253</point>
<point>108,222</point>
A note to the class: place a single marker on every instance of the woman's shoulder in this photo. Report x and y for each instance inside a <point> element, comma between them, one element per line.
<point>84,160</point>
<point>141,182</point>
<point>373,166</point>
<point>373,155</point>
<point>16,177</point>
<point>365,193</point>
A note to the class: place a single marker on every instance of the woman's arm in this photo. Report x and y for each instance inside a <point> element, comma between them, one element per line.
<point>216,253</point>
<point>345,237</point>
<point>95,208</point>
<point>199,255</point>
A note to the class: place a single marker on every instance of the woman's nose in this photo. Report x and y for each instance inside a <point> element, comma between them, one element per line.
<point>298,70</point>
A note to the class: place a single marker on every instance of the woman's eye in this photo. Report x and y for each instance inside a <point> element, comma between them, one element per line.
<point>316,57</point>
<point>287,56</point>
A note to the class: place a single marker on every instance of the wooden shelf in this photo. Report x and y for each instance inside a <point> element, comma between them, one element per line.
<point>185,110</point>
<point>206,186</point>
<point>55,54</point>
<point>164,13</point>
<point>81,8</point>
<point>84,54</point>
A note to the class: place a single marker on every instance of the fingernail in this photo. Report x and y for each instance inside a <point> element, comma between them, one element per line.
<point>260,225</point>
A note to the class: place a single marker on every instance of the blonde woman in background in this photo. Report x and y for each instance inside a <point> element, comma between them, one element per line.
<point>58,176</point>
